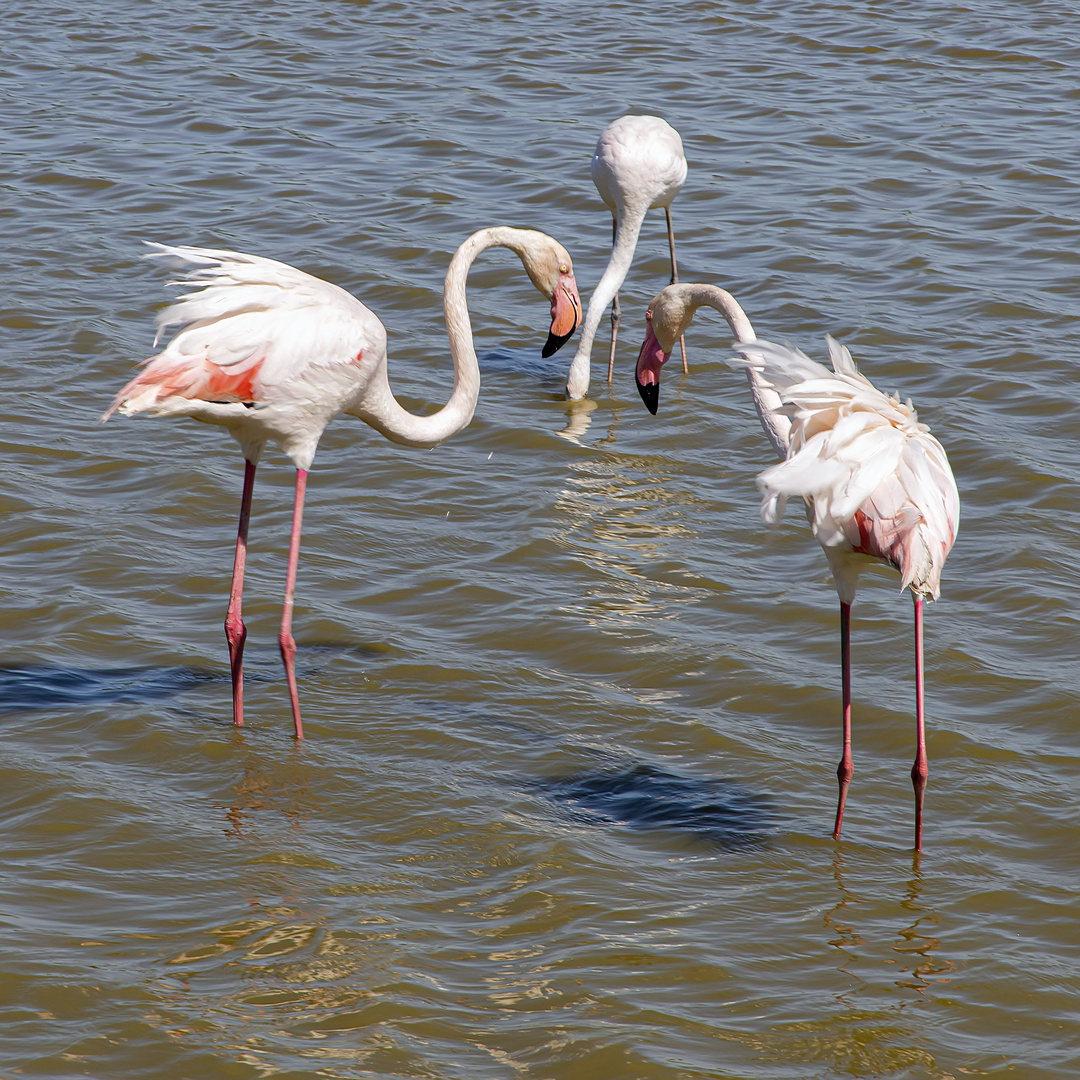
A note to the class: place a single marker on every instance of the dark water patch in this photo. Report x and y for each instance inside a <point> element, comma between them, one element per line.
<point>648,797</point>
<point>529,362</point>
<point>49,686</point>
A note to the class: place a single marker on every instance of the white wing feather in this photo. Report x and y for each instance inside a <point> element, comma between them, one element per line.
<point>247,309</point>
<point>875,478</point>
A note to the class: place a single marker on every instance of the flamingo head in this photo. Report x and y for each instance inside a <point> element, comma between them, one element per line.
<point>666,320</point>
<point>549,268</point>
<point>565,307</point>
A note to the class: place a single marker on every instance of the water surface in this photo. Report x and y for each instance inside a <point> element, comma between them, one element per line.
<point>573,713</point>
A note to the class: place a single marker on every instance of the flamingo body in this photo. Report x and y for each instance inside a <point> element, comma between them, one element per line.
<point>877,485</point>
<point>263,349</point>
<point>638,165</point>
<point>273,354</point>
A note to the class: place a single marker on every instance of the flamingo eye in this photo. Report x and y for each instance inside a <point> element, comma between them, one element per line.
<point>648,316</point>
<point>563,269</point>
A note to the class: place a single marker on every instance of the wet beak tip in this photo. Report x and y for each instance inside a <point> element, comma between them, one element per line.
<point>554,343</point>
<point>650,395</point>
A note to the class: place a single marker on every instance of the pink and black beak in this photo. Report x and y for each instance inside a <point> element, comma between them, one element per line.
<point>647,374</point>
<point>565,314</point>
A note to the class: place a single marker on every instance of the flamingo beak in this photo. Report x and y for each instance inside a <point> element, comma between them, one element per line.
<point>565,315</point>
<point>647,373</point>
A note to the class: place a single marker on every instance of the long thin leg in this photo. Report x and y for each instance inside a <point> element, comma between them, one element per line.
<point>285,638</point>
<point>235,630</point>
<point>846,769</point>
<point>675,281</point>
<point>921,769</point>
<point>615,312</point>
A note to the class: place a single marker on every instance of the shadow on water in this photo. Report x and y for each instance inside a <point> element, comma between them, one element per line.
<point>53,686</point>
<point>647,797</point>
<point>44,686</point>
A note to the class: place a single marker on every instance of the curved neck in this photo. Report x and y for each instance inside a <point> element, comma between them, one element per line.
<point>628,227</point>
<point>713,296</point>
<point>767,402</point>
<point>381,409</point>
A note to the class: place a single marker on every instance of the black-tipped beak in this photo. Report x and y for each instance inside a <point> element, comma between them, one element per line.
<point>650,394</point>
<point>555,342</point>
<point>647,373</point>
<point>565,314</point>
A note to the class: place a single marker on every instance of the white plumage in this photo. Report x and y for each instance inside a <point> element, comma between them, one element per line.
<point>638,165</point>
<point>877,482</point>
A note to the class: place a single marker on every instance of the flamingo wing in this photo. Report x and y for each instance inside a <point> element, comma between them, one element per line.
<point>877,481</point>
<point>253,330</point>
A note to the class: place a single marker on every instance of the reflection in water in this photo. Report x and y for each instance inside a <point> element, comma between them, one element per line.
<point>865,1038</point>
<point>846,937</point>
<point>282,789</point>
<point>918,946</point>
<point>914,944</point>
<point>285,955</point>
<point>578,418</point>
<point>615,514</point>
<point>859,1036</point>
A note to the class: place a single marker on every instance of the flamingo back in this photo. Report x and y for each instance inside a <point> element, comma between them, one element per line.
<point>254,331</point>
<point>876,481</point>
<point>638,160</point>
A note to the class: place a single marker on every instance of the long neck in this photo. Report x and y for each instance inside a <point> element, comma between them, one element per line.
<point>628,227</point>
<point>767,401</point>
<point>381,409</point>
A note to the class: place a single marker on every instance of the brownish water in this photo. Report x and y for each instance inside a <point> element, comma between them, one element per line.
<point>563,811</point>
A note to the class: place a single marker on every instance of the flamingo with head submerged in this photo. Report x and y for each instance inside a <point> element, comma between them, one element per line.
<point>877,484</point>
<point>273,354</point>
<point>638,165</point>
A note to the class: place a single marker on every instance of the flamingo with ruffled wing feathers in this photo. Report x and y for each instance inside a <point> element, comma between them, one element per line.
<point>877,484</point>
<point>273,354</point>
<point>638,165</point>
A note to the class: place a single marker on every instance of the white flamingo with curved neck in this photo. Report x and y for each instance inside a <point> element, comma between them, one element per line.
<point>638,165</point>
<point>877,484</point>
<point>273,354</point>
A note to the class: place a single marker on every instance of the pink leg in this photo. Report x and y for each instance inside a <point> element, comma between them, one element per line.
<point>285,638</point>
<point>846,769</point>
<point>920,771</point>
<point>235,630</point>
<point>674,281</point>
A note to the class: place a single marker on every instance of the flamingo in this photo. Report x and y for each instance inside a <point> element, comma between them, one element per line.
<point>274,354</point>
<point>638,165</point>
<point>877,484</point>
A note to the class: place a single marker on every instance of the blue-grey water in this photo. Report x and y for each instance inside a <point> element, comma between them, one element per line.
<point>564,807</point>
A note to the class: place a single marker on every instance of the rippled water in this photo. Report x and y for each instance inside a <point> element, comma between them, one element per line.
<point>573,714</point>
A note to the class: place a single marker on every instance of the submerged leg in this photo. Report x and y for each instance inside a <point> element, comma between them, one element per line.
<point>235,630</point>
<point>674,281</point>
<point>846,769</point>
<point>285,638</point>
<point>921,769</point>
<point>615,313</point>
